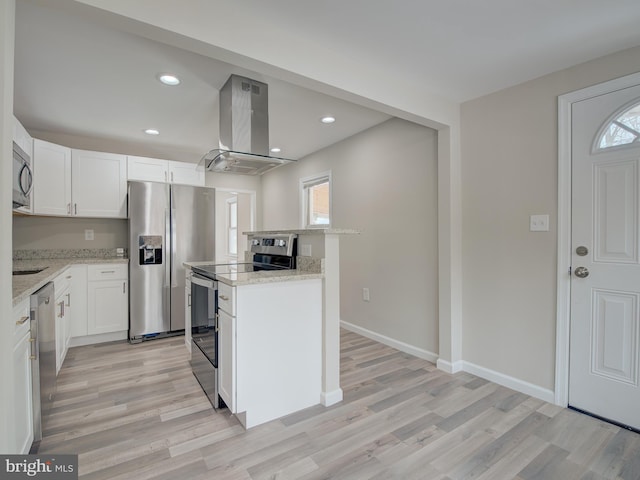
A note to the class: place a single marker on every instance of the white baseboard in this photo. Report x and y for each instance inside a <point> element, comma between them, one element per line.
<point>449,367</point>
<point>397,344</point>
<point>459,366</point>
<point>331,398</point>
<point>100,338</point>
<point>509,382</point>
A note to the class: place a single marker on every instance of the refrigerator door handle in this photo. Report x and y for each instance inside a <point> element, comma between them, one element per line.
<point>174,280</point>
<point>167,238</point>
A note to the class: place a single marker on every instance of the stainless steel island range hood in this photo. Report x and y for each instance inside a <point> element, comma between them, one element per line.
<point>244,130</point>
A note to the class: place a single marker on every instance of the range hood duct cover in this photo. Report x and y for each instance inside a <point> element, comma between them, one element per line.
<point>244,130</point>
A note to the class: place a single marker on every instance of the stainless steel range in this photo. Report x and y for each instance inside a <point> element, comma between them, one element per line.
<point>270,252</point>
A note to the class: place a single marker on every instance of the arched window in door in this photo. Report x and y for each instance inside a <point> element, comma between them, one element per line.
<point>623,128</point>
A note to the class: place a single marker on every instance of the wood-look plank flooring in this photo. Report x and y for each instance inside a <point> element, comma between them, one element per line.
<point>137,412</point>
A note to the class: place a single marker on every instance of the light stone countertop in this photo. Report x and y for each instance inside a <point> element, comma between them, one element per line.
<point>263,276</point>
<point>25,285</point>
<point>308,231</point>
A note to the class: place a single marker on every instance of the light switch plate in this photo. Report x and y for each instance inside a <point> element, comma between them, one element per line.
<point>539,223</point>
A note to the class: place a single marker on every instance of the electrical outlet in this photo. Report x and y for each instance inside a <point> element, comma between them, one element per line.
<point>539,223</point>
<point>88,234</point>
<point>365,295</point>
<point>305,250</point>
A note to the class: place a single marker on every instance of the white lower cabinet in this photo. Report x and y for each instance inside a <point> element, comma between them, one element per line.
<point>62,286</point>
<point>227,359</point>
<point>22,413</point>
<point>107,299</point>
<point>79,293</point>
<point>269,348</point>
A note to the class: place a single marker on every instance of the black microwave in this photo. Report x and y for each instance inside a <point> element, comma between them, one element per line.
<point>22,177</point>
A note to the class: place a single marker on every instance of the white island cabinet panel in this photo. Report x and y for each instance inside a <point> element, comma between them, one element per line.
<point>278,350</point>
<point>227,359</point>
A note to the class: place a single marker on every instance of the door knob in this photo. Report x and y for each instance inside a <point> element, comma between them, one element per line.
<point>582,272</point>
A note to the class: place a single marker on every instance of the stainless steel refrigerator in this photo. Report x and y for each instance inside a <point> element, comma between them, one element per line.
<point>168,225</point>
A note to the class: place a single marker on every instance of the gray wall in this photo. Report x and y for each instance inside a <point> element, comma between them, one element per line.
<point>384,184</point>
<point>509,171</point>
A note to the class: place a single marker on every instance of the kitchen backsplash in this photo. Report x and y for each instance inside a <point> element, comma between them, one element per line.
<point>69,253</point>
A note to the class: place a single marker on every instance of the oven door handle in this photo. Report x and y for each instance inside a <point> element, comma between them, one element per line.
<point>203,282</point>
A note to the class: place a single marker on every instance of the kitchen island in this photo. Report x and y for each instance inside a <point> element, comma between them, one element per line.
<point>269,342</point>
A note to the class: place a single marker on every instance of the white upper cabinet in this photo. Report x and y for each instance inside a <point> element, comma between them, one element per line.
<point>99,184</point>
<point>145,169</point>
<point>51,179</point>
<point>78,182</point>
<point>185,174</point>
<point>167,171</point>
<point>22,137</point>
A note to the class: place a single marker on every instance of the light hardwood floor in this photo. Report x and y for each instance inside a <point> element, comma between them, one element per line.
<point>137,412</point>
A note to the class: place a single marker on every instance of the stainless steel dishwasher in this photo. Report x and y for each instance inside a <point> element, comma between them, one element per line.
<point>43,355</point>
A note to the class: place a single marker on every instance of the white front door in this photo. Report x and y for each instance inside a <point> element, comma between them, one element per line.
<point>604,366</point>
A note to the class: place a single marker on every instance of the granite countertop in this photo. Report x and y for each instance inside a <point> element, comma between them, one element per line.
<point>263,276</point>
<point>266,276</point>
<point>308,231</point>
<point>25,285</point>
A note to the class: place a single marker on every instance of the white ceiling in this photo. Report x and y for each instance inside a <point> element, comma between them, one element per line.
<point>86,79</point>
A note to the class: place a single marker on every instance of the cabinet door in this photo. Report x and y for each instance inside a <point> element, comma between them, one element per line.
<point>68,319</point>
<point>185,174</point>
<point>63,320</point>
<point>51,179</point>
<point>99,184</point>
<point>22,137</point>
<point>22,413</point>
<point>227,359</point>
<point>107,307</point>
<point>144,169</point>
<point>78,316</point>
<point>59,327</point>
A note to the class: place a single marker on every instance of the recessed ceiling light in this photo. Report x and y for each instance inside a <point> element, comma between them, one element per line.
<point>275,150</point>
<point>328,119</point>
<point>152,131</point>
<point>169,79</point>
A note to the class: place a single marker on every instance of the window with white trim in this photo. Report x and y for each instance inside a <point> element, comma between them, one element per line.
<point>315,194</point>
<point>232,226</point>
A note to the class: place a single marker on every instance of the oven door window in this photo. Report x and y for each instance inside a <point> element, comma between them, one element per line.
<point>203,320</point>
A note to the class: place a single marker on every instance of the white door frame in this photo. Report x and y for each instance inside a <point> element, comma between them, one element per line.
<point>563,307</point>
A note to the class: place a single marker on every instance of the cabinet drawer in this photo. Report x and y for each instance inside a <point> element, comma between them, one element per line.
<point>62,282</point>
<point>21,320</point>
<point>109,271</point>
<point>226,298</point>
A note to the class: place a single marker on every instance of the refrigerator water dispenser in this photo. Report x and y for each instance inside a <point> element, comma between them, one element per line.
<point>150,248</point>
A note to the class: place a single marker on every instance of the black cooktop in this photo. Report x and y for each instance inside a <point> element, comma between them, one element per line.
<point>210,271</point>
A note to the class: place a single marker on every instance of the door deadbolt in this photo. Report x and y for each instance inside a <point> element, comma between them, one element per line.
<point>582,251</point>
<point>582,272</point>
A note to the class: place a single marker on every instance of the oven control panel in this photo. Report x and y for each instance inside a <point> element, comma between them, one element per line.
<point>277,244</point>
